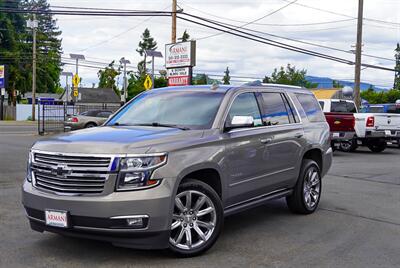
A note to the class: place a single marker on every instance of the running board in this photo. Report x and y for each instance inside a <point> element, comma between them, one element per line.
<point>256,201</point>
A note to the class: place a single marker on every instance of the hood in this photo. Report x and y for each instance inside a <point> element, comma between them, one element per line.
<point>116,139</point>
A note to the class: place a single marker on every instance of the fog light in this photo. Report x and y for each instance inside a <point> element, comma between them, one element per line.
<point>135,222</point>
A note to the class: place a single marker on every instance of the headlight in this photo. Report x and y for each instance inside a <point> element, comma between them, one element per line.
<point>135,172</point>
<point>28,168</point>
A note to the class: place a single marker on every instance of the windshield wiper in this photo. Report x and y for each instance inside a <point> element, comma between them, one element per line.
<point>119,124</point>
<point>156,124</point>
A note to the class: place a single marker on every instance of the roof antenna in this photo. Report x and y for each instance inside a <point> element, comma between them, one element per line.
<point>214,86</point>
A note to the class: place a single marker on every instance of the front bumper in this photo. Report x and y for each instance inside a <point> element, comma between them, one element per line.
<point>90,216</point>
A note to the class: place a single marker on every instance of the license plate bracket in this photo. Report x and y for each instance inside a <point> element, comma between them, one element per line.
<point>57,218</point>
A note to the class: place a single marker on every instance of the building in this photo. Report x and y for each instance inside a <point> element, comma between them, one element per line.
<point>94,96</point>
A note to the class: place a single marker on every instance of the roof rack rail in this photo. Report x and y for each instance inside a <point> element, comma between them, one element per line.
<point>280,85</point>
<point>258,83</point>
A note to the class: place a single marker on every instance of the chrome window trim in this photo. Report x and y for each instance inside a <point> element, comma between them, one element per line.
<point>258,90</point>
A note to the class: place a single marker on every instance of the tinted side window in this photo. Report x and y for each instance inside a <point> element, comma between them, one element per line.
<point>245,105</point>
<point>351,107</point>
<point>311,107</point>
<point>274,111</point>
<point>322,104</point>
<point>392,109</point>
<point>104,114</point>
<point>343,107</point>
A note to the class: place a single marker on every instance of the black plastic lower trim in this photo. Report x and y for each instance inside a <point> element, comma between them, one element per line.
<point>133,239</point>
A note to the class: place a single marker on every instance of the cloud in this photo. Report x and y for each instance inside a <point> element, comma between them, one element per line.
<point>244,57</point>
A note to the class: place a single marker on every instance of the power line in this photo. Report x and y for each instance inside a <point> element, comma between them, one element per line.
<point>271,24</point>
<point>249,36</point>
<point>253,21</point>
<point>121,33</point>
<point>305,42</point>
<point>345,15</point>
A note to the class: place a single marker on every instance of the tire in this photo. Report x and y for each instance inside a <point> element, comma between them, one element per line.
<point>348,146</point>
<point>302,200</point>
<point>186,219</point>
<point>90,125</point>
<point>377,146</point>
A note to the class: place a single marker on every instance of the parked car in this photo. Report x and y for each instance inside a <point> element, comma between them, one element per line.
<point>87,119</point>
<point>166,168</point>
<point>342,129</point>
<point>372,129</point>
<point>391,108</point>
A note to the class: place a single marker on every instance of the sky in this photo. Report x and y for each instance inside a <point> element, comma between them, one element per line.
<point>103,39</point>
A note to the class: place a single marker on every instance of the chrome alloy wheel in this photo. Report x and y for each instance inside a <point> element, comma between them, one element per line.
<point>193,220</point>
<point>312,188</point>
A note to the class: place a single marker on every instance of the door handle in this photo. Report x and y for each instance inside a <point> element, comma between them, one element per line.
<point>266,140</point>
<point>298,135</point>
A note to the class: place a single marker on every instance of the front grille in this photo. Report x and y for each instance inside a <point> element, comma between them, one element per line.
<point>70,174</point>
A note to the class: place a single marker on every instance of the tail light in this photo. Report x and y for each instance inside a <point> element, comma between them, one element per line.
<point>370,121</point>
<point>75,119</point>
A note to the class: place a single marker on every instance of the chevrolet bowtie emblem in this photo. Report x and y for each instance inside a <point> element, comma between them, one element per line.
<point>61,170</point>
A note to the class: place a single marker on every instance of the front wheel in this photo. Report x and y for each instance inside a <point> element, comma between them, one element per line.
<point>377,146</point>
<point>196,220</point>
<point>307,192</point>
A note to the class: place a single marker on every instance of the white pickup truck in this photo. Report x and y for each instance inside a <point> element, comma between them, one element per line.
<point>371,129</point>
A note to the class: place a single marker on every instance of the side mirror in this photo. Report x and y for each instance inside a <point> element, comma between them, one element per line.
<point>239,121</point>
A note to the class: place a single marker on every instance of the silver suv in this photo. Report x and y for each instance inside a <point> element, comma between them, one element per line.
<point>165,169</point>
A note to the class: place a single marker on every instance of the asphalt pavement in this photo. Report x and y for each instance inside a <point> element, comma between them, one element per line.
<point>357,224</point>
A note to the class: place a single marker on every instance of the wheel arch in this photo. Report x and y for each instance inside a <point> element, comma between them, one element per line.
<point>315,154</point>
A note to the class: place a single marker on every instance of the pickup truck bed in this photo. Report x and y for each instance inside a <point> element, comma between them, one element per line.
<point>341,125</point>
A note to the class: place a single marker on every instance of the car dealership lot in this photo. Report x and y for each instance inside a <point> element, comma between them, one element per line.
<point>357,224</point>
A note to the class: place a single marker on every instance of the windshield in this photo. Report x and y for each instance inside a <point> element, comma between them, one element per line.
<point>193,110</point>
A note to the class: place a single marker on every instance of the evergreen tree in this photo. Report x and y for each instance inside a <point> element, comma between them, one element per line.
<point>397,68</point>
<point>16,47</point>
<point>147,43</point>
<point>226,79</point>
<point>48,43</point>
<point>185,37</point>
<point>12,54</point>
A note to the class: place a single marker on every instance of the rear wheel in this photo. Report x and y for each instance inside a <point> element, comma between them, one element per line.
<point>307,192</point>
<point>89,125</point>
<point>197,219</point>
<point>377,146</point>
<point>348,146</point>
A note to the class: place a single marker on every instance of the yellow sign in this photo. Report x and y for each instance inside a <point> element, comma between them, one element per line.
<point>75,80</point>
<point>148,83</point>
<point>76,94</point>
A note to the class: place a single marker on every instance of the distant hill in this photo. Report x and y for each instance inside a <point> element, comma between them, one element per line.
<point>326,82</point>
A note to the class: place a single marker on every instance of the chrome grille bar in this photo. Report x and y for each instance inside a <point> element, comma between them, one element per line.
<point>70,173</point>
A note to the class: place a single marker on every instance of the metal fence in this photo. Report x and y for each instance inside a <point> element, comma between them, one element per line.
<point>51,117</point>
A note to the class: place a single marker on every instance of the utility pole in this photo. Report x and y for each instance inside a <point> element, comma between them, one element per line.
<point>153,54</point>
<point>357,78</point>
<point>67,88</point>
<point>124,97</point>
<point>173,33</point>
<point>33,24</point>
